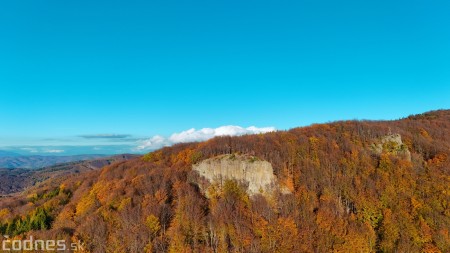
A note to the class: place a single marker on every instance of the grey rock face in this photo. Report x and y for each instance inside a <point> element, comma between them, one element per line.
<point>255,173</point>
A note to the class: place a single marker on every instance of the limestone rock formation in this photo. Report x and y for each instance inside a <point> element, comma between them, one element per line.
<point>249,170</point>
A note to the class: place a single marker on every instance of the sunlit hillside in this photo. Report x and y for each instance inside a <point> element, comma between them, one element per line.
<point>352,186</point>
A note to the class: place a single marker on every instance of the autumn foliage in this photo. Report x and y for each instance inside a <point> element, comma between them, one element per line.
<point>345,197</point>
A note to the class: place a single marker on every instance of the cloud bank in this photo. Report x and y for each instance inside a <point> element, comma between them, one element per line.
<point>53,151</point>
<point>39,150</point>
<point>105,136</point>
<point>193,135</point>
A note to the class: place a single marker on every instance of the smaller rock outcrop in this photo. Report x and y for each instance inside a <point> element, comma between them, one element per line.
<point>392,144</point>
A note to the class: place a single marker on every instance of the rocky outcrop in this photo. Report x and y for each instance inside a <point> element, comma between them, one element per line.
<point>256,174</point>
<point>392,144</point>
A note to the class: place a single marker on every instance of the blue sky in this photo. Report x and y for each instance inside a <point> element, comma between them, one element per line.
<point>139,69</point>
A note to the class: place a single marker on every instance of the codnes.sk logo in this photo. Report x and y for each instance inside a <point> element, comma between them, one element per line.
<point>32,245</point>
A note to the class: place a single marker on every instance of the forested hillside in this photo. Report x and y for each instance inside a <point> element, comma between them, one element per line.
<point>356,186</point>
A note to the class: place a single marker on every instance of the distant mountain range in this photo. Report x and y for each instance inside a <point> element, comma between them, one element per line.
<point>10,160</point>
<point>18,179</point>
<point>4,153</point>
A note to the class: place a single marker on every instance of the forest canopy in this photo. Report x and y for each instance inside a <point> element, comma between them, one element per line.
<point>356,186</point>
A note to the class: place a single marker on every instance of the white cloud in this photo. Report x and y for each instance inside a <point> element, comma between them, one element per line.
<point>193,135</point>
<point>53,151</point>
<point>105,136</point>
<point>31,150</point>
<point>41,150</point>
<point>155,142</point>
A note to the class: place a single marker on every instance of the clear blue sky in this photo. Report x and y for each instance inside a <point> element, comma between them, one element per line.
<point>142,68</point>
